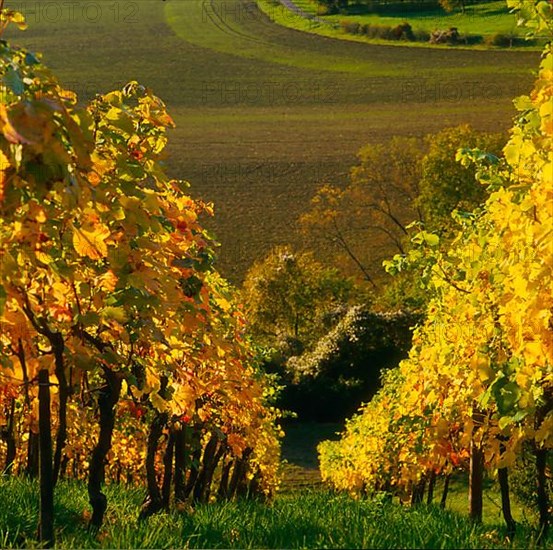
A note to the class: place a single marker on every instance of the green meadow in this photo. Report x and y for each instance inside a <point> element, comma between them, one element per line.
<point>482,19</point>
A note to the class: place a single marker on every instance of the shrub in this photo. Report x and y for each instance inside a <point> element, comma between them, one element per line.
<point>421,35</point>
<point>377,31</point>
<point>472,39</point>
<point>384,32</point>
<point>330,7</point>
<point>502,40</point>
<point>330,381</point>
<point>372,31</point>
<point>403,32</point>
<point>440,36</point>
<point>350,27</point>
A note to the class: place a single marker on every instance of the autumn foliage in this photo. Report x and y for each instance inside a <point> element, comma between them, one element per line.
<point>478,383</point>
<point>107,284</point>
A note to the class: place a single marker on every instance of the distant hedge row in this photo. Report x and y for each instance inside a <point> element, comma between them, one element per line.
<point>405,32</point>
<point>386,32</point>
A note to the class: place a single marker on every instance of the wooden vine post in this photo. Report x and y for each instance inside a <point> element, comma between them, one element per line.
<point>46,525</point>
<point>476,470</point>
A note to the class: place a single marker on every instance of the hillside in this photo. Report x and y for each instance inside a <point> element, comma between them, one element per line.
<point>265,113</point>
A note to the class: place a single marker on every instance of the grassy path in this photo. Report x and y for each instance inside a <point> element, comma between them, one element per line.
<point>299,451</point>
<point>294,8</point>
<point>265,113</point>
<point>301,472</point>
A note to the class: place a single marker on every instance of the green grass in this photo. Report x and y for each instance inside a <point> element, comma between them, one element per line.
<point>265,113</point>
<point>307,519</point>
<point>300,467</point>
<point>299,450</point>
<point>485,19</point>
<point>457,501</point>
<point>303,515</point>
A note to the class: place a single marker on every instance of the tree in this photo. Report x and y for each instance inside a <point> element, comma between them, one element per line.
<point>375,207</point>
<point>291,297</point>
<point>333,6</point>
<point>450,5</point>
<point>445,184</point>
<point>395,184</point>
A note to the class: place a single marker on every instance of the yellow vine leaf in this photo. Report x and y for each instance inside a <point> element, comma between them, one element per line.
<point>545,431</point>
<point>158,402</point>
<point>237,443</point>
<point>108,281</point>
<point>91,243</point>
<point>7,128</point>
